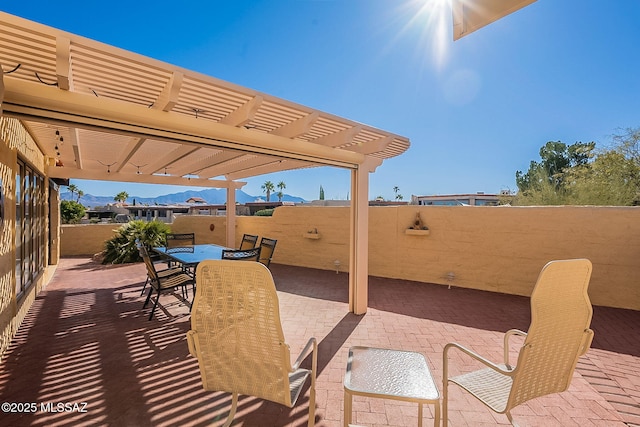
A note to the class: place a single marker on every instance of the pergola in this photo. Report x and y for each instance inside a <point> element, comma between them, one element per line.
<point>102,113</point>
<point>98,112</point>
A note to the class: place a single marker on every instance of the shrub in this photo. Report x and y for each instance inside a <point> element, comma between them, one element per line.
<point>264,212</point>
<point>121,248</point>
<point>71,212</point>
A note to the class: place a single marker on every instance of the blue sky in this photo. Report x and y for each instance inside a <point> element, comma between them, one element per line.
<point>476,110</point>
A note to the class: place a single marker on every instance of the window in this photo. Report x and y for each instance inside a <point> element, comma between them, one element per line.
<point>30,226</point>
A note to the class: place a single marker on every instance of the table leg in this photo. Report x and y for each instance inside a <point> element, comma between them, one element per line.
<point>436,416</point>
<point>347,408</point>
<point>420,414</point>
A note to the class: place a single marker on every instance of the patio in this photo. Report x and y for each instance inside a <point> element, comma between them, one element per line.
<point>86,340</point>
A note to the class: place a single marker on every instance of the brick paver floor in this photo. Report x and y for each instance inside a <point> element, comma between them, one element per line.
<point>87,343</point>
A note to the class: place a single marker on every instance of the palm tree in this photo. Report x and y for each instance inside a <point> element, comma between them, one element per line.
<point>121,197</point>
<point>268,187</point>
<point>80,194</point>
<point>395,190</point>
<point>72,189</point>
<point>281,186</point>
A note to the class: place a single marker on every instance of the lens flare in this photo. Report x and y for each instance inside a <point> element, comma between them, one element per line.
<point>432,19</point>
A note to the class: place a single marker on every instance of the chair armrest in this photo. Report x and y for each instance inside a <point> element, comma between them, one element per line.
<point>586,342</point>
<point>507,334</point>
<point>312,342</point>
<point>191,342</point>
<point>473,355</point>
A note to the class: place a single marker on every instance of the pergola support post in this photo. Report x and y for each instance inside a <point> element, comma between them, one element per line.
<point>231,217</point>
<point>359,240</point>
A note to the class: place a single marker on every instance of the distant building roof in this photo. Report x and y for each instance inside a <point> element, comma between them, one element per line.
<point>473,199</point>
<point>196,200</point>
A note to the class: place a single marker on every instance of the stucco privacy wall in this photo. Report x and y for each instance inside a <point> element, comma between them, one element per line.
<point>85,239</point>
<point>15,140</point>
<point>499,249</point>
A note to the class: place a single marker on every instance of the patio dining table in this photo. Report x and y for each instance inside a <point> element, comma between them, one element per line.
<point>190,256</point>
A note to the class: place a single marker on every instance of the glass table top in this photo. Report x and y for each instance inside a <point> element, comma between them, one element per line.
<point>192,254</point>
<point>389,373</point>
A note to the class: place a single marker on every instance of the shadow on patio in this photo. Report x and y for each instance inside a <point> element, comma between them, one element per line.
<point>87,341</point>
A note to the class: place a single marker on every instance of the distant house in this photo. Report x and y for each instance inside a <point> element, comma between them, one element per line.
<point>477,199</point>
<point>196,200</point>
<point>163,213</point>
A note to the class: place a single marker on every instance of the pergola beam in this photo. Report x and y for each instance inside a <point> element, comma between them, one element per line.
<point>68,172</point>
<point>207,162</point>
<point>33,101</point>
<point>373,147</point>
<point>169,96</point>
<point>63,65</point>
<point>244,114</point>
<point>297,127</point>
<point>340,138</point>
<point>267,168</point>
<point>132,147</point>
<point>168,158</point>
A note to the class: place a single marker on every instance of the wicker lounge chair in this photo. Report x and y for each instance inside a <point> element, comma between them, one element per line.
<point>558,335</point>
<point>237,337</point>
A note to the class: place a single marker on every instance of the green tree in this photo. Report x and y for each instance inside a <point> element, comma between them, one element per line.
<point>612,179</point>
<point>71,212</point>
<point>281,186</point>
<point>556,157</point>
<point>121,197</point>
<point>627,142</point>
<point>268,187</point>
<point>73,189</point>
<point>80,194</point>
<point>542,191</point>
<point>321,193</point>
<point>581,175</point>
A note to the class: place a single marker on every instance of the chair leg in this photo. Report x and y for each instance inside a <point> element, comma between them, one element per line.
<point>348,405</point>
<point>510,417</point>
<point>144,286</point>
<point>232,412</point>
<point>312,406</point>
<point>146,301</point>
<point>155,304</point>
<point>445,402</point>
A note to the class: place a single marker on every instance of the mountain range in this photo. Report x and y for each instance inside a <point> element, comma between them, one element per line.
<point>213,196</point>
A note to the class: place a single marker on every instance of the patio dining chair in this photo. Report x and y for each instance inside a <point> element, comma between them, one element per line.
<point>558,335</point>
<point>177,240</point>
<point>237,337</point>
<point>180,239</point>
<point>248,241</point>
<point>155,260</point>
<point>252,254</point>
<point>162,282</point>
<point>268,246</point>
